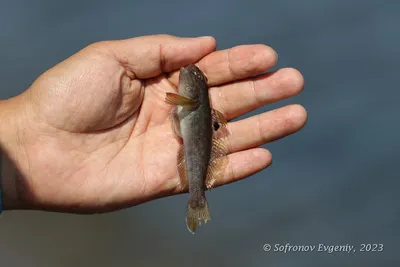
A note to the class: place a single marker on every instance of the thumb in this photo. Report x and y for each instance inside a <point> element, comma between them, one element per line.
<point>149,56</point>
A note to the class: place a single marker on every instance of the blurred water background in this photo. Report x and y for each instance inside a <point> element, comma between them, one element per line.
<point>336,182</point>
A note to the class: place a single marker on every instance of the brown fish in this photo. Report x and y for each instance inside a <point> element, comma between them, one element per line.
<point>202,157</point>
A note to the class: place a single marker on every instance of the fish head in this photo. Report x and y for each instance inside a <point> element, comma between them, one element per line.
<point>191,80</point>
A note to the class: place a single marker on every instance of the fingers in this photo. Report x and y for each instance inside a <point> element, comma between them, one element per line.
<point>266,127</point>
<point>235,63</point>
<point>149,56</point>
<point>234,100</point>
<point>245,159</point>
<point>244,164</point>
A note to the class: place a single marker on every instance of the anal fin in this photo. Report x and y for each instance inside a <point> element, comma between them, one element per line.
<point>218,162</point>
<point>183,181</point>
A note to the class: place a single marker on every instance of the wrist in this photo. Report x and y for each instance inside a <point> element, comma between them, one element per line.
<point>9,116</point>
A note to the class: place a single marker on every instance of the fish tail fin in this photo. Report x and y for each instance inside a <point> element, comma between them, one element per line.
<point>197,211</point>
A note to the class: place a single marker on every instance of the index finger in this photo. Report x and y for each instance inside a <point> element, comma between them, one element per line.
<point>149,56</point>
<point>235,63</point>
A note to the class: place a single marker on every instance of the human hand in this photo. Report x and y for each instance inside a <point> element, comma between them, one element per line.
<point>93,134</point>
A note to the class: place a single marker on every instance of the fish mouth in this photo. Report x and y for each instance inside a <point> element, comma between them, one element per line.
<point>189,69</point>
<point>187,72</point>
<point>194,71</point>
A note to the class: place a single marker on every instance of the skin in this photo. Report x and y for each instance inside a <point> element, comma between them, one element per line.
<point>92,134</point>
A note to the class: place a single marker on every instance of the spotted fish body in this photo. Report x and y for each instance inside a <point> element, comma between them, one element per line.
<point>202,152</point>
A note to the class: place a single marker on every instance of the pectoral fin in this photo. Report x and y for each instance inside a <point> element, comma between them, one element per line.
<point>178,100</point>
<point>219,123</point>
<point>218,162</point>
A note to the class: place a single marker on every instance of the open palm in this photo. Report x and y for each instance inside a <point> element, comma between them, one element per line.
<point>96,134</point>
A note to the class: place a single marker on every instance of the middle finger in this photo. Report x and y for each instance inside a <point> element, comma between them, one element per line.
<point>236,99</point>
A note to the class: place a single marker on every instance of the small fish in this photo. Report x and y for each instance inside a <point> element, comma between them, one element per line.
<point>202,157</point>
